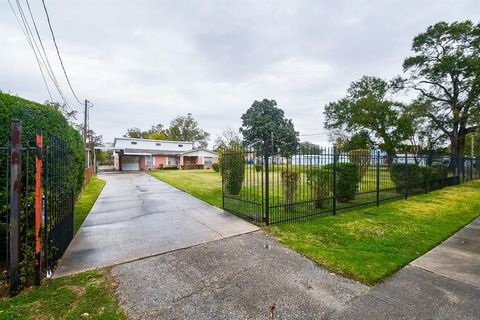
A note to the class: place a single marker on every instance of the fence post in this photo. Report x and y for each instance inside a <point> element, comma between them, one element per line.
<point>267,185</point>
<point>426,174</point>
<point>405,173</point>
<point>471,168</point>
<point>15,200</point>
<point>441,173</point>
<point>38,205</point>
<point>378,178</point>
<point>334,180</point>
<point>222,173</point>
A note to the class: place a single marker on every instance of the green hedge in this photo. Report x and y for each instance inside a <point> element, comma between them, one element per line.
<point>35,116</point>
<point>319,179</point>
<point>289,188</point>
<point>216,167</point>
<point>232,167</point>
<point>347,180</point>
<point>416,175</point>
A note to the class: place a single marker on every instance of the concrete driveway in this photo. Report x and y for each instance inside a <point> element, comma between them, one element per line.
<point>138,216</point>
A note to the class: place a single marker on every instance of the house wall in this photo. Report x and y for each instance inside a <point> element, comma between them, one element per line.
<point>116,161</point>
<point>157,145</point>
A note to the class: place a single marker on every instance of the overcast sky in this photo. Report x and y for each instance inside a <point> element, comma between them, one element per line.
<point>144,62</point>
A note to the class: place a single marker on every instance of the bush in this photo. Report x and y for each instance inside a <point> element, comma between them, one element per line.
<point>361,157</point>
<point>216,167</point>
<point>289,188</point>
<point>415,175</point>
<point>346,180</point>
<point>170,168</point>
<point>258,167</point>
<point>319,179</point>
<point>232,167</point>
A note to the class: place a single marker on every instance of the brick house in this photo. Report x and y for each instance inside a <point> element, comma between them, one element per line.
<point>131,154</point>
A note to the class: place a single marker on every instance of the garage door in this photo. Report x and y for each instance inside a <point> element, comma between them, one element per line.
<point>130,163</point>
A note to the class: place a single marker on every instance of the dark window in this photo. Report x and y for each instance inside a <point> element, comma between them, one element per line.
<point>158,144</point>
<point>180,145</point>
<point>133,142</point>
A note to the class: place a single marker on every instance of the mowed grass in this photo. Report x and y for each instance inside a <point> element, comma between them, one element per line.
<point>203,184</point>
<point>85,295</point>
<point>86,200</point>
<point>372,243</point>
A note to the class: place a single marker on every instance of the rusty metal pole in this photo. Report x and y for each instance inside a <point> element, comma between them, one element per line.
<point>38,206</point>
<point>15,200</point>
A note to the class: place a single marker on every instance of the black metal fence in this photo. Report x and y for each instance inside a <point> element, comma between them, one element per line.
<point>321,181</point>
<point>36,206</point>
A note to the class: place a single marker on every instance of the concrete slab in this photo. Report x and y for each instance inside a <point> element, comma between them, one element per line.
<point>415,294</point>
<point>457,258</point>
<point>234,278</point>
<point>137,216</point>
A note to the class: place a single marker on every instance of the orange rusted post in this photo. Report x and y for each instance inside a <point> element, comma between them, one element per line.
<point>38,206</point>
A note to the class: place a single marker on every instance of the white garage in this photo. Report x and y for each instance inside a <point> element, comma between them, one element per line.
<point>130,163</point>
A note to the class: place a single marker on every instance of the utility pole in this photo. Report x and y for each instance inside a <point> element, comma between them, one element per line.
<point>85,131</point>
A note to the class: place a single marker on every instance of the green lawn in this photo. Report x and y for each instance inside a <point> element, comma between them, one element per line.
<point>367,244</point>
<point>203,184</point>
<point>372,243</point>
<point>86,200</point>
<point>89,292</point>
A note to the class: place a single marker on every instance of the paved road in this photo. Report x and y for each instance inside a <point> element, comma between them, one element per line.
<point>442,284</point>
<point>137,216</point>
<point>234,278</point>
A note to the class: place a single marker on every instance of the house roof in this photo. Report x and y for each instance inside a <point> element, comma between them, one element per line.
<point>196,150</point>
<point>152,140</point>
<point>143,152</point>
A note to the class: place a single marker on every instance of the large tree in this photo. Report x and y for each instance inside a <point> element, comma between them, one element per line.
<point>156,132</point>
<point>186,128</point>
<point>445,70</point>
<point>368,108</point>
<point>265,128</point>
<point>228,138</point>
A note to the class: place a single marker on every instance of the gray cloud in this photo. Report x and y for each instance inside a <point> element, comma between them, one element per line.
<point>144,62</point>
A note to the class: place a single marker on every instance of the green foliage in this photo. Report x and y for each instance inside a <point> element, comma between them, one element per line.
<point>264,122</point>
<point>444,70</point>
<point>306,147</point>
<point>258,167</point>
<point>289,188</point>
<point>362,158</point>
<point>232,162</point>
<point>347,180</point>
<point>320,180</point>
<point>36,116</point>
<point>186,128</point>
<point>216,167</point>
<point>367,107</point>
<point>409,174</point>
<point>360,140</point>
<point>156,132</point>
<point>169,168</point>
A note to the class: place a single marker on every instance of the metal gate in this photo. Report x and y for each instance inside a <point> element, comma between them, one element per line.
<point>36,206</point>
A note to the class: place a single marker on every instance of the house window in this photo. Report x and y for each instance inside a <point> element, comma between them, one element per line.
<point>172,161</point>
<point>149,161</point>
<point>158,144</point>
<point>207,160</point>
<point>180,145</point>
<point>133,142</point>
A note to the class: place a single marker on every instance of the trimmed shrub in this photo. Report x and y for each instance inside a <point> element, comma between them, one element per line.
<point>216,167</point>
<point>258,167</point>
<point>232,167</point>
<point>362,158</point>
<point>289,188</point>
<point>346,180</point>
<point>170,168</point>
<point>415,175</point>
<point>319,179</point>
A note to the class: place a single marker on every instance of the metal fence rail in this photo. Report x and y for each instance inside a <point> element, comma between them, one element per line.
<point>273,188</point>
<point>36,206</point>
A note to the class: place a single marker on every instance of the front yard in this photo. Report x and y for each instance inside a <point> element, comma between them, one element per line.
<point>366,244</point>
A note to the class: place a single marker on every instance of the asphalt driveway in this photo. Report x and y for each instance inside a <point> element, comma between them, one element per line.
<point>138,216</point>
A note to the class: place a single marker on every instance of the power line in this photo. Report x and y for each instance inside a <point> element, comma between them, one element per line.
<point>47,61</point>
<point>31,46</point>
<point>58,52</point>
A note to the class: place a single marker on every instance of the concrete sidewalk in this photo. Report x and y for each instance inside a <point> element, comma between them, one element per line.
<point>442,284</point>
<point>137,216</point>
